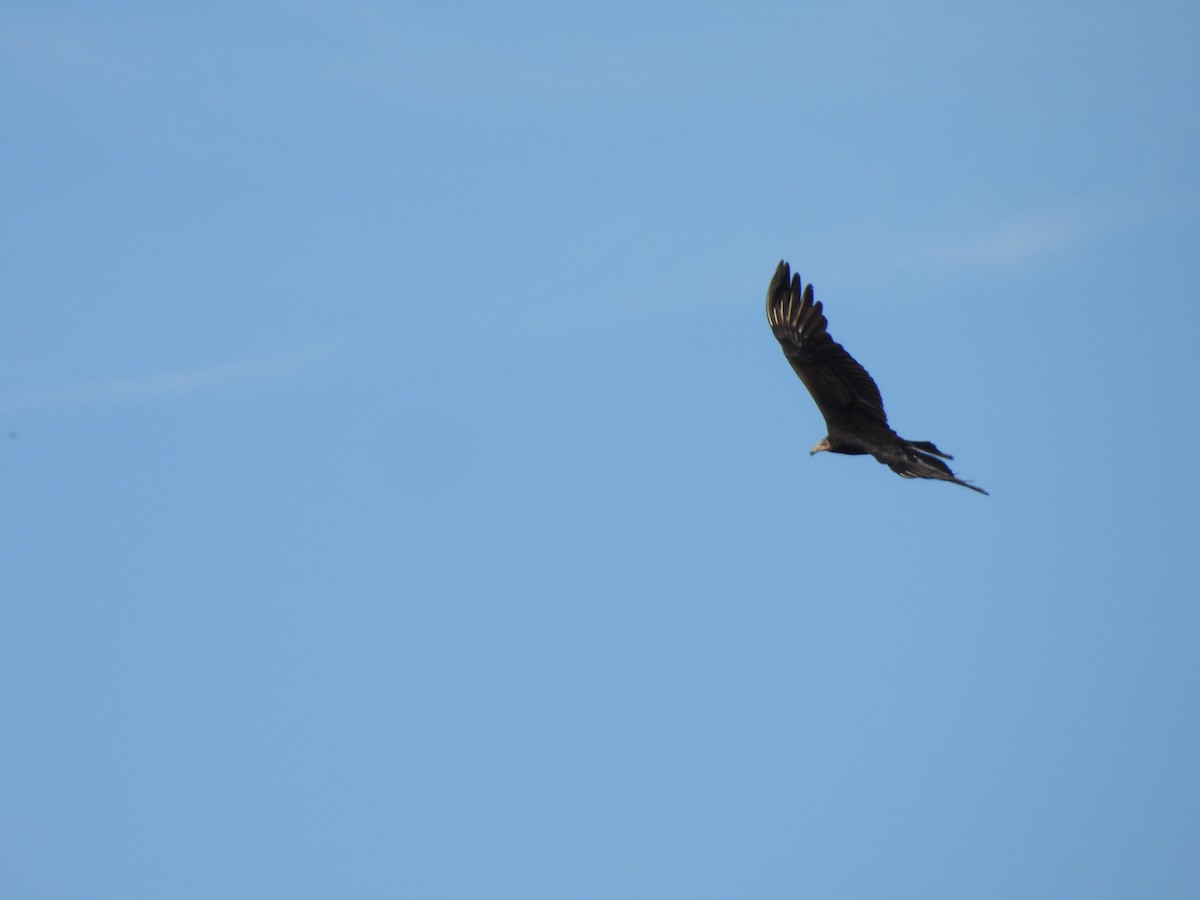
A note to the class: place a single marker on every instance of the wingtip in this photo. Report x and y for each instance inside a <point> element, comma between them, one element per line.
<point>779,284</point>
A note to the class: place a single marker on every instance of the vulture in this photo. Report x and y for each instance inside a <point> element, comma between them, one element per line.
<point>843,391</point>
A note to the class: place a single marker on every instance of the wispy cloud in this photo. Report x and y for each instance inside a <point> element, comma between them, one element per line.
<point>55,45</point>
<point>160,385</point>
<point>1015,241</point>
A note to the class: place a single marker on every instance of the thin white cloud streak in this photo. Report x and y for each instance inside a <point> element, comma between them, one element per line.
<point>1016,242</point>
<point>45,46</point>
<point>159,386</point>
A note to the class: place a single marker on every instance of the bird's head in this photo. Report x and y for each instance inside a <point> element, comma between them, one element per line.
<point>823,444</point>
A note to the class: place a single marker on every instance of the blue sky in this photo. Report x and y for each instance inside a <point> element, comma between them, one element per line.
<point>403,494</point>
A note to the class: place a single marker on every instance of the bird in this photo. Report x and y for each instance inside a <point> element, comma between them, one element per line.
<point>845,394</point>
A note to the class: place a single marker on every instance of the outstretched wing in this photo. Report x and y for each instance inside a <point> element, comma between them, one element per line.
<point>842,389</point>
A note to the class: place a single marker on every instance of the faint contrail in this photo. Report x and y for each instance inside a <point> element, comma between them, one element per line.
<point>1019,240</point>
<point>140,388</point>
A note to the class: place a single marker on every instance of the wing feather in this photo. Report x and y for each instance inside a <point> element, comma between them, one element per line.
<point>841,388</point>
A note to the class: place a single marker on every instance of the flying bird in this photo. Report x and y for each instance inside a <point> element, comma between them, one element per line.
<point>842,389</point>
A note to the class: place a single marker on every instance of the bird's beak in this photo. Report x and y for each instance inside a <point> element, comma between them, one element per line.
<point>822,445</point>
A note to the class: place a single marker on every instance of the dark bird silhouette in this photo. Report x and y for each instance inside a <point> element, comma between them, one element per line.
<point>843,391</point>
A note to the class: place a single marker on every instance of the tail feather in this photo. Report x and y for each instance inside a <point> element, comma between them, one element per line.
<point>928,447</point>
<point>920,464</point>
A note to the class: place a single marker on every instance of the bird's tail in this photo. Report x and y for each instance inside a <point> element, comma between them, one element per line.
<point>928,447</point>
<point>967,484</point>
<point>920,462</point>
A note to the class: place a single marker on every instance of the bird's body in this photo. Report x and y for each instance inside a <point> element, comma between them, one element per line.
<point>843,391</point>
